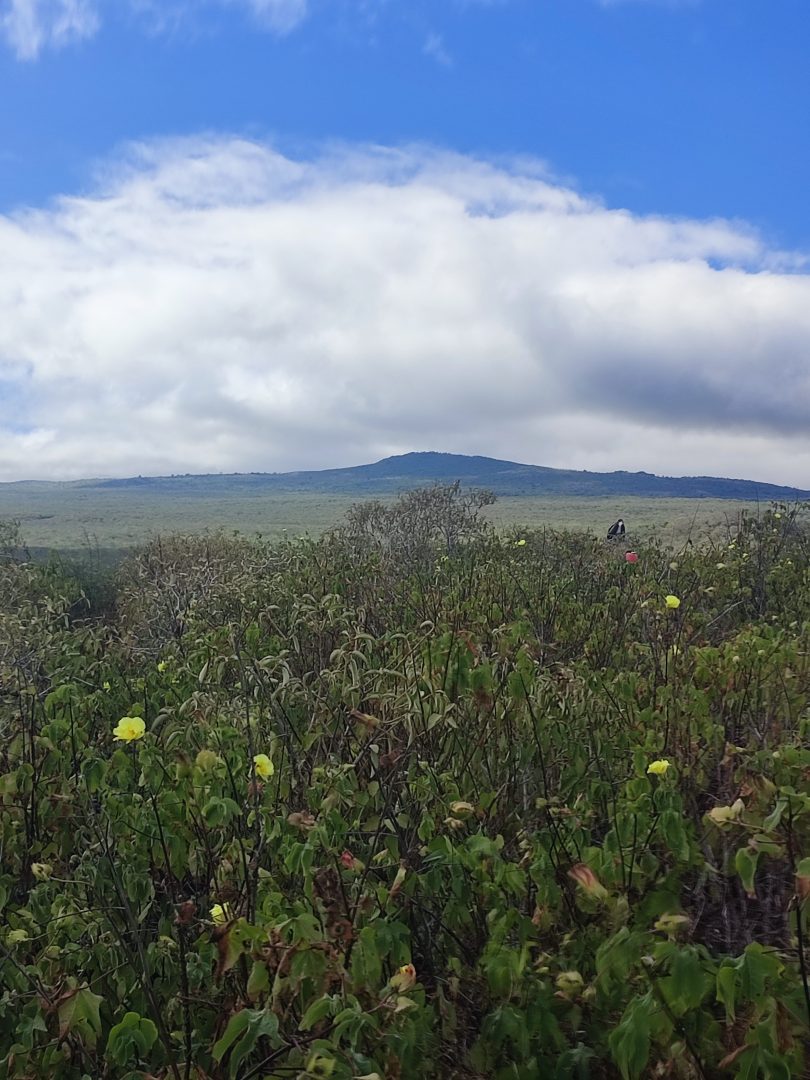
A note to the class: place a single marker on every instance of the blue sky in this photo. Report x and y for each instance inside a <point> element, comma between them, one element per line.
<point>692,108</point>
<point>685,120</point>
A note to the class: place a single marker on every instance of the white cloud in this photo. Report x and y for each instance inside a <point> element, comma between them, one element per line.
<point>216,305</point>
<point>279,15</point>
<point>31,25</point>
<point>435,48</point>
<point>651,3</point>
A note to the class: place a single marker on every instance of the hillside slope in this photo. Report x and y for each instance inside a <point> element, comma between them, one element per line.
<point>405,471</point>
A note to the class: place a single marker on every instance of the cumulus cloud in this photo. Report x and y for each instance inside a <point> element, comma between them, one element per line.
<point>216,305</point>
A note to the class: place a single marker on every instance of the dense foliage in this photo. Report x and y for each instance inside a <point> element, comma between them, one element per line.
<point>413,800</point>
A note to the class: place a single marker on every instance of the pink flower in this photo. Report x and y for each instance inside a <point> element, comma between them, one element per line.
<point>347,859</point>
<point>630,556</point>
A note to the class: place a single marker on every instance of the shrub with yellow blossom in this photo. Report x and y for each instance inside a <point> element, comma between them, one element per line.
<point>129,728</point>
<point>220,914</point>
<point>404,979</point>
<point>263,766</point>
<point>462,773</point>
<point>658,768</point>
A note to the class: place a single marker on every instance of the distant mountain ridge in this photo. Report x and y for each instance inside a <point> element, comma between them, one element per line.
<point>404,471</point>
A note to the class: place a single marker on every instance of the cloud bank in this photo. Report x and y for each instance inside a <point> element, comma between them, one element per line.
<point>216,305</point>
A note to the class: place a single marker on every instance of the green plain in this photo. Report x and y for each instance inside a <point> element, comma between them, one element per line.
<point>69,517</point>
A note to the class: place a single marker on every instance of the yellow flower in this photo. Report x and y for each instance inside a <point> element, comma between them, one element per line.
<point>520,543</point>
<point>569,983</point>
<point>404,979</point>
<point>320,1067</point>
<point>129,728</point>
<point>221,913</point>
<point>162,666</point>
<point>723,815</point>
<point>672,601</point>
<point>672,924</point>
<point>264,766</point>
<point>206,760</point>
<point>658,768</point>
<point>106,686</point>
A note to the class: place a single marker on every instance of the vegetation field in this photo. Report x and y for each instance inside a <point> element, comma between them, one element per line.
<point>73,516</point>
<point>417,798</point>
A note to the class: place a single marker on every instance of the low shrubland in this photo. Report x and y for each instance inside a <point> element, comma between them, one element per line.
<point>412,800</point>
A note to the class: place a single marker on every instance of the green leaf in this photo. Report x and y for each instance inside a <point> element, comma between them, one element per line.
<point>241,1034</point>
<point>630,1042</point>
<point>259,980</point>
<point>30,1023</point>
<point>236,1026</point>
<point>317,1011</point>
<point>214,812</point>
<point>672,829</point>
<point>757,965</point>
<point>777,1067</point>
<point>134,1036</point>
<point>616,956</point>
<point>93,775</point>
<point>687,983</point>
<point>745,863</point>
<point>259,1024</point>
<point>367,961</point>
<point>748,1065</point>
<point>80,1013</point>
<point>727,989</point>
<point>775,816</point>
<point>482,846</point>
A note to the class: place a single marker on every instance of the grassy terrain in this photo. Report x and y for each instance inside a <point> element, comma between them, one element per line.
<point>69,517</point>
<point>415,801</point>
<point>672,521</point>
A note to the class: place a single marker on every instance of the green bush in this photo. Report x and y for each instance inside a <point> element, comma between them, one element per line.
<point>413,800</point>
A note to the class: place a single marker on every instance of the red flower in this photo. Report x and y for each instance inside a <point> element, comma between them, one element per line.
<point>347,859</point>
<point>630,556</point>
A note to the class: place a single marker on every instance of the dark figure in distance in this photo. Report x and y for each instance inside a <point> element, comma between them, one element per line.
<point>616,530</point>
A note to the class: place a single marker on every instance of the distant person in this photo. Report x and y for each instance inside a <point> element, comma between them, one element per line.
<point>616,530</point>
